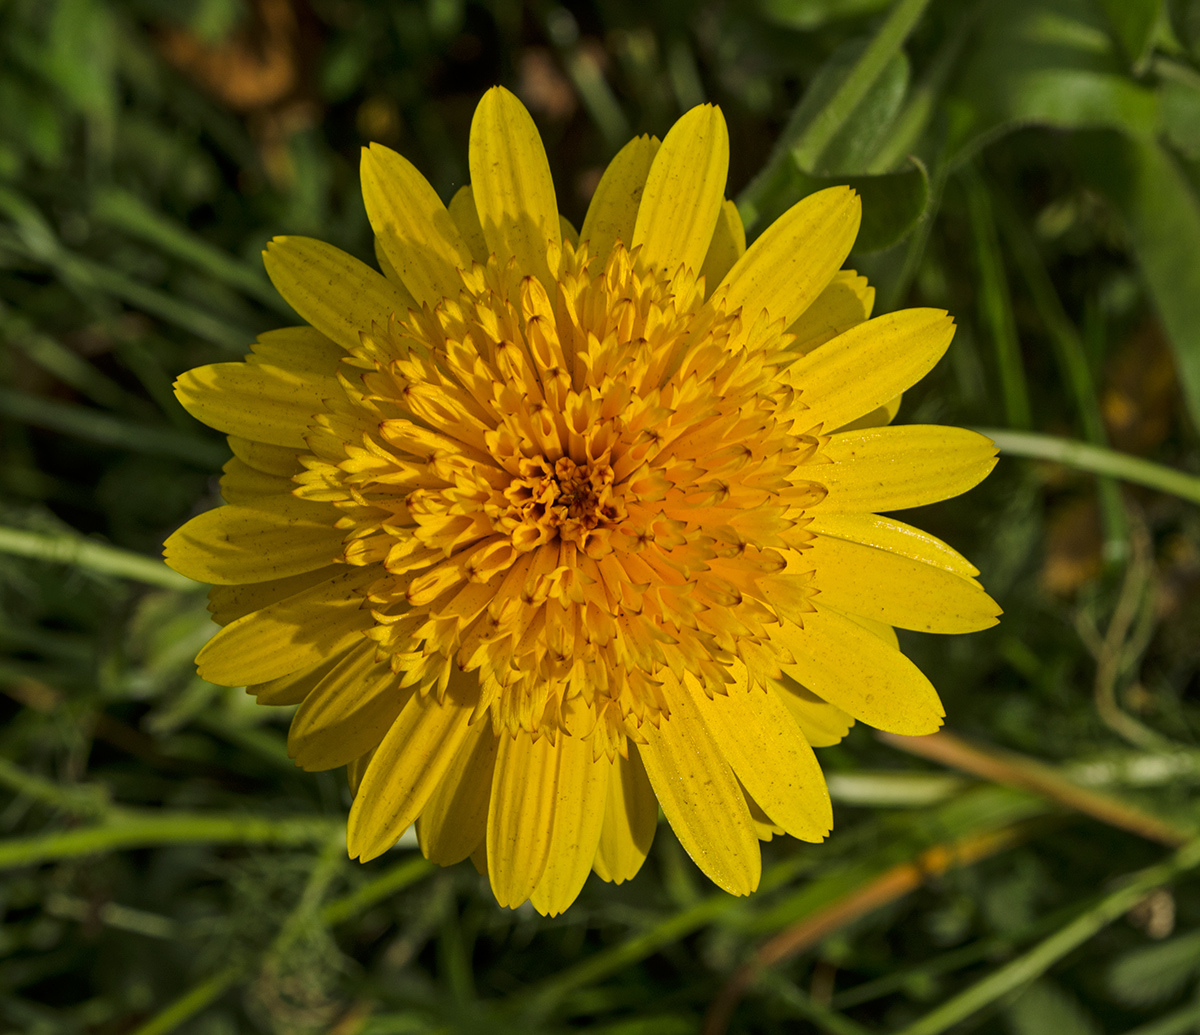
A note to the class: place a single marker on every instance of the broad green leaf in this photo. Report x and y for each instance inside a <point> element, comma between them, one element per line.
<point>1044,1007</point>
<point>1046,63</point>
<point>1132,24</point>
<point>893,203</point>
<point>1153,973</point>
<point>1162,214</point>
<point>808,14</point>
<point>1181,116</point>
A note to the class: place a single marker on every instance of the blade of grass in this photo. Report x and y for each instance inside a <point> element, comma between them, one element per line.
<point>1048,952</point>
<point>1013,770</point>
<point>106,430</point>
<point>335,912</point>
<point>822,1017</point>
<point>1097,460</point>
<point>101,558</point>
<point>1181,1022</point>
<point>892,884</point>
<point>1073,365</point>
<point>803,145</point>
<point>127,828</point>
<point>126,212</point>
<point>995,302</point>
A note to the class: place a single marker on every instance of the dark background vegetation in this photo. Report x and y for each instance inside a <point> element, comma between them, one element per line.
<point>166,868</point>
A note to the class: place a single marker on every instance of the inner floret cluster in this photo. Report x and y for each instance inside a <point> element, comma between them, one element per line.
<point>559,487</point>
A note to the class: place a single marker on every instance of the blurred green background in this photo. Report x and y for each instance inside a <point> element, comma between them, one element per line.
<point>165,868</point>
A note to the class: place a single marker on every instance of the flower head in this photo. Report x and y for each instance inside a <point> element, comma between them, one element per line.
<point>544,530</point>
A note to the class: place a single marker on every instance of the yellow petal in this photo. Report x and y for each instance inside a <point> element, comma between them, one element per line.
<point>822,723</point>
<point>241,483</point>
<point>869,364</point>
<point>895,536</point>
<point>348,711</point>
<point>385,267</point>
<point>894,468</point>
<point>684,192</point>
<point>267,538</point>
<point>466,218</point>
<point>228,603</point>
<point>630,820</point>
<point>295,686</point>
<point>256,401</point>
<point>700,795</point>
<point>521,815</point>
<point>796,257</point>
<point>407,767</point>
<point>855,670</point>
<point>728,245</point>
<point>846,301</point>
<point>412,225</point>
<point>878,417</point>
<point>757,736</point>
<point>300,350</point>
<point>578,817</point>
<point>889,588</point>
<point>278,460</point>
<point>295,633</point>
<point>454,821</point>
<point>357,769</point>
<point>340,296</point>
<point>514,192</point>
<point>613,210</point>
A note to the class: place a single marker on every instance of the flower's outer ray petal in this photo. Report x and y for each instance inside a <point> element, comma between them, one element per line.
<point>385,264</point>
<point>578,817</point>
<point>869,364</point>
<point>241,483</point>
<point>348,712</point>
<point>270,538</point>
<point>301,350</point>
<point>357,769</point>
<point>466,218</point>
<point>757,736</point>
<point>630,820</point>
<point>886,587</point>
<point>796,257</point>
<point>684,193</point>
<point>228,603</point>
<point>418,236</point>
<point>881,469</point>
<point>887,533</point>
<point>877,418</point>
<point>295,633</point>
<point>279,460</point>
<point>881,629</point>
<point>408,766</point>
<point>728,245</point>
<point>700,795</point>
<point>846,302</point>
<point>822,723</point>
<point>613,210</point>
<point>454,821</point>
<point>521,815</point>
<point>295,686</point>
<point>256,401</point>
<point>514,192</point>
<point>316,279</point>
<point>852,668</point>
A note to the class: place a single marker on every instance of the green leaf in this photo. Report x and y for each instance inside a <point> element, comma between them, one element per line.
<point>1181,116</point>
<point>808,14</point>
<point>1044,1007</point>
<point>1185,20</point>
<point>893,203</point>
<point>1152,974</point>
<point>1162,215</point>
<point>1132,23</point>
<point>1050,65</point>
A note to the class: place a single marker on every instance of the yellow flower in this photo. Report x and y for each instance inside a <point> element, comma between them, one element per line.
<point>544,530</point>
